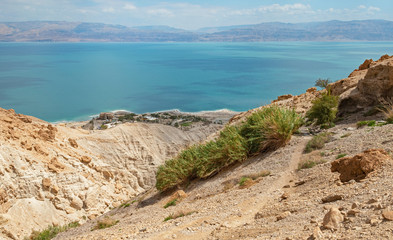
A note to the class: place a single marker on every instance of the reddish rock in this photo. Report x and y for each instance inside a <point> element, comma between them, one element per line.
<point>359,166</point>
<point>311,90</point>
<point>366,64</point>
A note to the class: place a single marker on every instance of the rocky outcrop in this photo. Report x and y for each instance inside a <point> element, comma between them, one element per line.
<point>367,86</point>
<point>359,166</point>
<point>54,174</point>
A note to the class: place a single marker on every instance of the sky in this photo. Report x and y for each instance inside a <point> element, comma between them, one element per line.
<point>193,14</point>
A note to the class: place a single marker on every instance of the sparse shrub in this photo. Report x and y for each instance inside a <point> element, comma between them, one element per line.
<point>270,128</point>
<point>105,223</point>
<point>310,163</point>
<point>322,83</point>
<point>178,215</point>
<point>103,127</point>
<point>186,124</point>
<point>243,180</point>
<point>370,123</point>
<point>323,110</point>
<point>388,111</point>
<point>124,205</point>
<point>171,203</point>
<point>317,142</point>
<point>346,135</point>
<point>341,155</point>
<point>51,231</point>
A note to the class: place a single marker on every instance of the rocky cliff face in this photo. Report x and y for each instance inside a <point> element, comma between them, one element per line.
<point>371,84</point>
<point>53,174</point>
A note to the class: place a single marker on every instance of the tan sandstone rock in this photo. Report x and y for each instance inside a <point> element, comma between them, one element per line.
<point>388,215</point>
<point>359,166</point>
<point>333,219</point>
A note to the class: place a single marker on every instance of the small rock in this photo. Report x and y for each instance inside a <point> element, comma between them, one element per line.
<point>372,200</point>
<point>355,205</point>
<point>299,183</point>
<point>333,219</point>
<point>353,212</point>
<point>377,206</point>
<point>283,215</point>
<point>332,198</point>
<point>85,159</point>
<point>373,221</point>
<point>73,143</point>
<point>388,215</point>
<point>142,230</point>
<point>46,183</point>
<point>316,234</point>
<point>287,186</point>
<point>285,196</point>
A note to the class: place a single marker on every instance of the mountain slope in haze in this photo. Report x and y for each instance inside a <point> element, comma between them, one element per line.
<point>364,30</point>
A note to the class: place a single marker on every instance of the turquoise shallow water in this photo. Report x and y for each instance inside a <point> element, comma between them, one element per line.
<point>71,81</point>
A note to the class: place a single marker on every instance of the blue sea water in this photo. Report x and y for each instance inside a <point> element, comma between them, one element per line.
<point>71,81</point>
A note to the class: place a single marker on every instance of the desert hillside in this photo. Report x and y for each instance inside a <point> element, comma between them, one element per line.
<point>56,174</point>
<point>338,189</point>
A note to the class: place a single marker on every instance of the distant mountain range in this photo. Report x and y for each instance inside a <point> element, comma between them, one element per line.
<point>53,31</point>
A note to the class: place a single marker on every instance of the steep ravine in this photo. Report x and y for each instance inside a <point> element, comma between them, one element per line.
<point>54,174</point>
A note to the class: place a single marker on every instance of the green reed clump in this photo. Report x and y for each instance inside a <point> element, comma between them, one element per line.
<point>267,129</point>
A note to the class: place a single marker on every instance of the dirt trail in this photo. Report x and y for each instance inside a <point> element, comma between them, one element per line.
<point>287,177</point>
<point>250,206</point>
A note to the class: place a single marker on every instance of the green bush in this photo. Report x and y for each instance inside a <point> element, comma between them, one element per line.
<point>270,128</point>
<point>323,110</point>
<point>264,130</point>
<point>317,142</point>
<point>203,160</point>
<point>51,231</point>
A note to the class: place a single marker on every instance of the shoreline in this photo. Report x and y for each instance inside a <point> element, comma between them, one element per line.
<point>175,110</point>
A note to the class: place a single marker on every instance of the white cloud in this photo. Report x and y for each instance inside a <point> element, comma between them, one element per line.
<point>374,9</point>
<point>108,10</point>
<point>129,6</point>
<point>160,12</point>
<point>284,8</point>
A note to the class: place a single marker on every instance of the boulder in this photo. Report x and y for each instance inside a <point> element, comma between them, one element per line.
<point>333,219</point>
<point>357,167</point>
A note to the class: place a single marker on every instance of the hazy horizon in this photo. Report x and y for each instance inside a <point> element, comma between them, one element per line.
<point>192,14</point>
